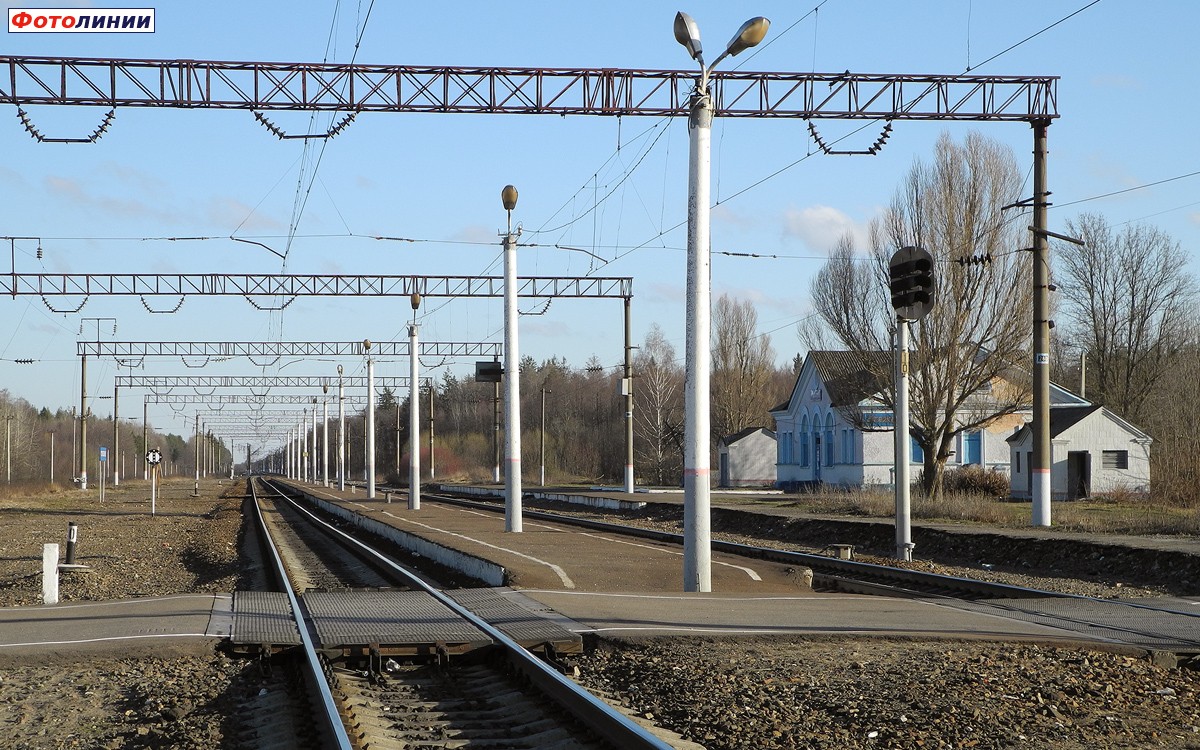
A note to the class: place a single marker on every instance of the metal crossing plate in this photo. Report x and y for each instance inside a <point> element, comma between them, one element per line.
<point>501,608</point>
<point>263,617</point>
<point>387,618</point>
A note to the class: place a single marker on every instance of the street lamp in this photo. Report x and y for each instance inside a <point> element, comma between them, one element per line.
<point>414,411</point>
<point>697,555</point>
<point>341,451</point>
<point>512,375</point>
<point>370,436</point>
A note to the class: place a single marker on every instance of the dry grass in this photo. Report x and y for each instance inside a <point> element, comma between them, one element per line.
<point>1124,515</point>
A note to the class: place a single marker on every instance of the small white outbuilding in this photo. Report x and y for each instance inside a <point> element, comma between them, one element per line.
<point>1092,452</point>
<point>747,458</point>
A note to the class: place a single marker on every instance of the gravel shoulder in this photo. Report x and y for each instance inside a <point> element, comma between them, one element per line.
<point>816,692</point>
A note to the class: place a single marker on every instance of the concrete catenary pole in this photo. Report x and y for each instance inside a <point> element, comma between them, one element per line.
<point>196,459</point>
<point>1041,332</point>
<point>116,466</point>
<point>512,375</point>
<point>628,381</point>
<point>83,422</point>
<point>145,437</point>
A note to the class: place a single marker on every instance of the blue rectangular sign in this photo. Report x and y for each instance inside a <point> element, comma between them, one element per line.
<point>103,454</point>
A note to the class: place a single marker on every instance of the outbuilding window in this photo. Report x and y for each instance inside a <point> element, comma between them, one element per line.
<point>1115,460</point>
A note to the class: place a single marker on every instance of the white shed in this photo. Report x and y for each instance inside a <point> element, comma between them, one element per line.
<point>1092,451</point>
<point>747,458</point>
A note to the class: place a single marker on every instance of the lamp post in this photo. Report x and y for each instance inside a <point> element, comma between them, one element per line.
<point>697,555</point>
<point>370,421</point>
<point>512,375</point>
<point>414,413</point>
<point>314,441</point>
<point>542,469</point>
<point>324,435</point>
<point>341,451</point>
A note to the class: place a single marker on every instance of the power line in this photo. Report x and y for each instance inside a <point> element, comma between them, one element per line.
<point>1031,36</point>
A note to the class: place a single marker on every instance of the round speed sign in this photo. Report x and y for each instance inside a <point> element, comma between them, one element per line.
<point>153,456</point>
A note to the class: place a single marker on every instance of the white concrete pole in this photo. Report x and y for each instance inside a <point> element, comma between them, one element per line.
<point>414,424</point>
<point>314,442</point>
<point>903,449</point>
<point>341,451</point>
<point>196,457</point>
<point>512,388</point>
<point>697,552</point>
<point>325,442</point>
<point>370,428</point>
<point>302,432</point>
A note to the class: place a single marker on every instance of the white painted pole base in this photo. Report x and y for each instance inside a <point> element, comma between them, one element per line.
<point>50,574</point>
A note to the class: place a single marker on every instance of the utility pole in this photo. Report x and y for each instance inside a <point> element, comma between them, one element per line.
<point>542,452</point>
<point>83,422</point>
<point>116,470</point>
<point>431,391</point>
<point>414,412</point>
<point>512,373</point>
<point>8,445</point>
<point>370,442</point>
<point>341,451</point>
<point>627,386</point>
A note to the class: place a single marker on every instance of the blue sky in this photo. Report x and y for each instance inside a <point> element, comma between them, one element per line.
<point>596,183</point>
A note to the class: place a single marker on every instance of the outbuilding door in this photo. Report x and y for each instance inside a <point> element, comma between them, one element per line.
<point>1079,474</point>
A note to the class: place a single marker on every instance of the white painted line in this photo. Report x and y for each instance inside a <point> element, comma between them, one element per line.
<point>748,571</point>
<point>114,603</point>
<point>113,638</point>
<point>562,575</point>
<point>693,598</point>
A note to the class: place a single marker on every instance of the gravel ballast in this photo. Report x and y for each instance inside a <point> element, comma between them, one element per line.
<point>788,692</point>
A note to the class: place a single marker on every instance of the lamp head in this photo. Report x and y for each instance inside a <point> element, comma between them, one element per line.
<point>415,299</point>
<point>749,35</point>
<point>367,344</point>
<point>339,369</point>
<point>509,196</point>
<point>687,33</point>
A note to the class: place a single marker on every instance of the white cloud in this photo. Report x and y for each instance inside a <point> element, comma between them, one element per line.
<point>820,227</point>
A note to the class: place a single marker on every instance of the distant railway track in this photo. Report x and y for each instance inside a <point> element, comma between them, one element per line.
<point>501,693</point>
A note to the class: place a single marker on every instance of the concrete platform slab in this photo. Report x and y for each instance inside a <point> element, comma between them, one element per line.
<point>194,620</point>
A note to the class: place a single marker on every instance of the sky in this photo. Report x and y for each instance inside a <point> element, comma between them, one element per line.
<point>614,190</point>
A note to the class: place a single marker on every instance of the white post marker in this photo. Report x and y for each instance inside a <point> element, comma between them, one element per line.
<point>153,458</point>
<point>50,574</point>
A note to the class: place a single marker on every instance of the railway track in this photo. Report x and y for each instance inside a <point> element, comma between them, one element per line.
<point>497,696</point>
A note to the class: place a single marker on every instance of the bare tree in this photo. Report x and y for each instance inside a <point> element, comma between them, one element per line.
<point>658,410</point>
<point>1127,298</point>
<point>964,374</point>
<point>743,367</point>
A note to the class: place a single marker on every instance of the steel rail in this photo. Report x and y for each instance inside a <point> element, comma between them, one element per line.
<point>594,713</point>
<point>331,719</point>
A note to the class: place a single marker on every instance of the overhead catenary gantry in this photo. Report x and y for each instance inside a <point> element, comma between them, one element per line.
<point>193,84</point>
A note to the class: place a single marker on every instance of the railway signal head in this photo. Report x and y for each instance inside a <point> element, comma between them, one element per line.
<point>910,273</point>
